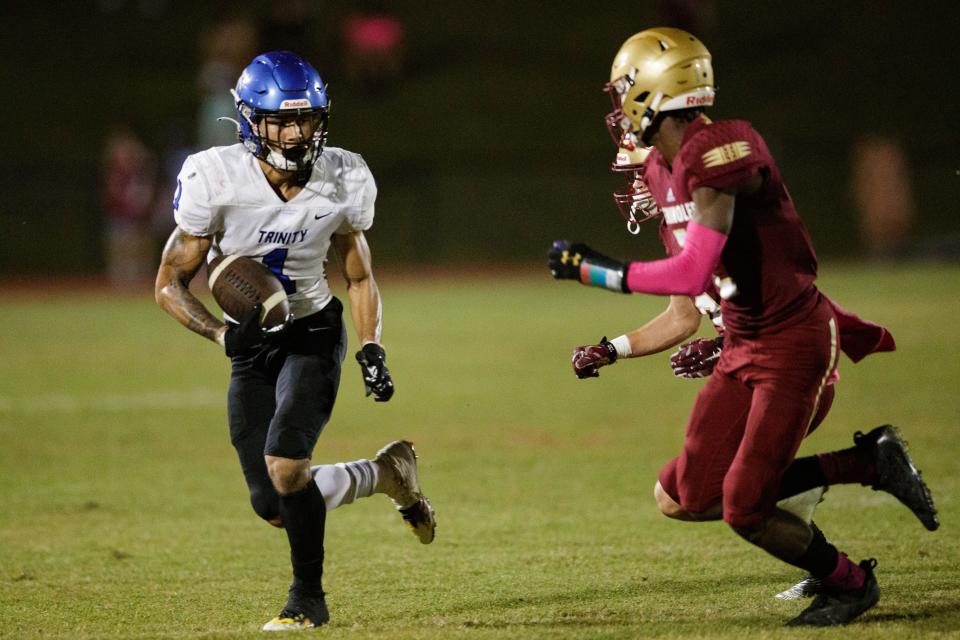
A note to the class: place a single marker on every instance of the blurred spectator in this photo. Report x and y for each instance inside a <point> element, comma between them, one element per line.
<point>883,196</point>
<point>373,41</point>
<point>129,175</point>
<point>176,140</point>
<point>227,48</point>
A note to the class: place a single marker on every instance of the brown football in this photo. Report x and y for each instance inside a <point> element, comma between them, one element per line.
<point>239,282</point>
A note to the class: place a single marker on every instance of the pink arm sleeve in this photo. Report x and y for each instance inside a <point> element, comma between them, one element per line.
<point>687,273</point>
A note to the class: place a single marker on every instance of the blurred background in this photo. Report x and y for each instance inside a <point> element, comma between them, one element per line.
<point>482,121</point>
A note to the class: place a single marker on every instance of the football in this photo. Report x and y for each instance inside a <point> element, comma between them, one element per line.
<point>238,282</point>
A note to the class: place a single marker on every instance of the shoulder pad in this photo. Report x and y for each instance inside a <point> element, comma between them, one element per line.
<point>213,166</point>
<point>723,155</point>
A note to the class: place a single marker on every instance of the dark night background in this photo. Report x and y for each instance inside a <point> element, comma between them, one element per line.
<point>490,142</point>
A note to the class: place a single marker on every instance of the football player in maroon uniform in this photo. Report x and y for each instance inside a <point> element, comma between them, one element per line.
<point>782,336</point>
<point>695,359</point>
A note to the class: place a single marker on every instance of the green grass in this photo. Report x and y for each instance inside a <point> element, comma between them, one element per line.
<point>123,513</point>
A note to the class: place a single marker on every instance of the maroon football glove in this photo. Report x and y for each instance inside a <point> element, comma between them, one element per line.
<point>586,360</point>
<point>696,359</point>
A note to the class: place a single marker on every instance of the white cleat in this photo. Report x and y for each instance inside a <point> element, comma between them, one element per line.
<point>397,477</point>
<point>802,505</point>
<point>806,588</point>
<point>289,621</point>
<point>303,613</point>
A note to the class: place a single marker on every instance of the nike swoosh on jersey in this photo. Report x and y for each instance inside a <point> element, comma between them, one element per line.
<point>317,216</point>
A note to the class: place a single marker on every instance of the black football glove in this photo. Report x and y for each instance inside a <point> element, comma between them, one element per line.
<point>376,376</point>
<point>249,335</point>
<point>577,261</point>
<point>696,359</point>
<point>586,360</point>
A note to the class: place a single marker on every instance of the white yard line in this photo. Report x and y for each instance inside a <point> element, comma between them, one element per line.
<point>112,402</point>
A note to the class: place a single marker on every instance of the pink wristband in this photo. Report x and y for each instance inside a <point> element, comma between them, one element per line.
<point>687,273</point>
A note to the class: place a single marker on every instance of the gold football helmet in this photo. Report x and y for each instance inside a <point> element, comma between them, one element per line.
<point>656,70</point>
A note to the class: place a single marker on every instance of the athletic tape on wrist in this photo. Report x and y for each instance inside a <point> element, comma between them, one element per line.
<point>622,345</point>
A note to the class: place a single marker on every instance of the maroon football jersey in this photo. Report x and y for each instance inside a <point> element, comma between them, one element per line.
<point>768,266</point>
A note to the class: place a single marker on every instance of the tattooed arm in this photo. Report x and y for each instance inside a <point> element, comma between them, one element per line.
<point>182,258</point>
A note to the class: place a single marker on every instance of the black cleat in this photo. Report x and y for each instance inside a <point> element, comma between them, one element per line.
<point>834,608</point>
<point>300,613</point>
<point>896,473</point>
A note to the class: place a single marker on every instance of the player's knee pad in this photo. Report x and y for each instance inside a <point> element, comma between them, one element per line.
<point>266,503</point>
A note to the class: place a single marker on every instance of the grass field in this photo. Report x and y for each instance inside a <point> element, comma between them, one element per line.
<point>123,513</point>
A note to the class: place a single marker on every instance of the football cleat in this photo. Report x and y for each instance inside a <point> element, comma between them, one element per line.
<point>806,588</point>
<point>397,464</point>
<point>896,473</point>
<point>420,518</point>
<point>289,620</point>
<point>300,613</point>
<point>831,608</point>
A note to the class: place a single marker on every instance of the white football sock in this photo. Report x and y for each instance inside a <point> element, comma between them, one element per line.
<point>344,482</point>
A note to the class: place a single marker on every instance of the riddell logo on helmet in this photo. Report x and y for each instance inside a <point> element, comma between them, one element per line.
<point>295,104</point>
<point>697,101</point>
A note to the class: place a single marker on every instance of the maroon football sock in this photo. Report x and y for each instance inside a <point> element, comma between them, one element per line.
<point>846,576</point>
<point>832,567</point>
<point>846,466</point>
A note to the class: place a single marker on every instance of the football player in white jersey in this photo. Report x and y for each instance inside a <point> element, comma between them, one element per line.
<point>280,197</point>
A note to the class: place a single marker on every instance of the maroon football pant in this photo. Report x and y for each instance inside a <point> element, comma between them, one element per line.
<point>764,396</point>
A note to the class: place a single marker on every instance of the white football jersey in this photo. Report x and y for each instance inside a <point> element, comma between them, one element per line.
<point>222,192</point>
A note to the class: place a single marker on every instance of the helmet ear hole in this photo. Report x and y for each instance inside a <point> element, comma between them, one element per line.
<point>642,97</point>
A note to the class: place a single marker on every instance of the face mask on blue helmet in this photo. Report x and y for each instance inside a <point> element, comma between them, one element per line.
<point>283,111</point>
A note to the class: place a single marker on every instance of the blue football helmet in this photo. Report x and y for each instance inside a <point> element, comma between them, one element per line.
<point>277,91</point>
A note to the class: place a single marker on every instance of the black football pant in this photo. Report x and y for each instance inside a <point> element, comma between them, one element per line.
<point>281,397</point>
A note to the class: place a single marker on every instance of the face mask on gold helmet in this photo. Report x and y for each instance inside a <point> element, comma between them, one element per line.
<point>636,203</point>
<point>656,70</point>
